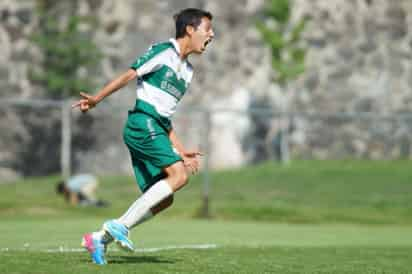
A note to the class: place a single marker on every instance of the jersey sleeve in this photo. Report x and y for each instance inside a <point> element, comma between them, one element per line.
<point>150,61</point>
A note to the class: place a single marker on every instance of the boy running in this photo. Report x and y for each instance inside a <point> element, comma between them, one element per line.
<point>159,159</point>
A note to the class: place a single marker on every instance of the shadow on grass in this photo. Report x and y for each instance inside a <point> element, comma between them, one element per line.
<point>137,260</point>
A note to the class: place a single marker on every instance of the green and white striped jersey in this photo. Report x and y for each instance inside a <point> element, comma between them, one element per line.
<point>163,78</point>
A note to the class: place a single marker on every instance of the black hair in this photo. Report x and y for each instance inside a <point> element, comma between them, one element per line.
<point>189,17</point>
<point>60,187</point>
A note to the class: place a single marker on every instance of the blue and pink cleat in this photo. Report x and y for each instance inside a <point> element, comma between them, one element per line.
<point>95,247</point>
<point>120,234</point>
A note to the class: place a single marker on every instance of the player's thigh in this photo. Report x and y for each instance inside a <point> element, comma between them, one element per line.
<point>150,149</point>
<point>145,175</point>
<point>149,142</point>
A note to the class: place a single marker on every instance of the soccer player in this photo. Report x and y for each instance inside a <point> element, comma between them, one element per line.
<point>159,159</point>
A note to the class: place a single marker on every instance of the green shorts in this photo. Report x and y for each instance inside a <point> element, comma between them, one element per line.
<point>150,148</point>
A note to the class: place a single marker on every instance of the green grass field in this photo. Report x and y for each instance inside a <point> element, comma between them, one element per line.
<point>308,217</point>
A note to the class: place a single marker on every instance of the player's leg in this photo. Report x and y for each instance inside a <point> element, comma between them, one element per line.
<point>147,175</point>
<point>154,200</point>
<point>149,144</point>
<point>176,175</point>
<point>139,210</point>
<point>159,170</point>
<point>156,194</point>
<point>166,203</point>
<point>155,210</point>
<point>151,213</point>
<point>162,205</point>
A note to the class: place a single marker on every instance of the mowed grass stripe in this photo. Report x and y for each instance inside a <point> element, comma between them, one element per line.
<point>165,232</point>
<point>283,260</point>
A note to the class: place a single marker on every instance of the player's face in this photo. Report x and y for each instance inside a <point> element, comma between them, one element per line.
<point>202,35</point>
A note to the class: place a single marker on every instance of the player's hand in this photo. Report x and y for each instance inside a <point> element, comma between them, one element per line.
<point>86,103</point>
<point>190,160</point>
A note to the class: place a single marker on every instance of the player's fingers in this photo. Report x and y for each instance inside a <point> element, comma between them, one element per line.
<point>194,153</point>
<point>84,109</point>
<point>77,104</point>
<point>84,106</point>
<point>189,166</point>
<point>193,170</point>
<point>193,165</point>
<point>194,162</point>
<point>188,169</point>
<point>85,95</point>
<point>196,166</point>
<point>80,103</point>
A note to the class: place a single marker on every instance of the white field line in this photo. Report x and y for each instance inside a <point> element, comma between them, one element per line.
<point>62,249</point>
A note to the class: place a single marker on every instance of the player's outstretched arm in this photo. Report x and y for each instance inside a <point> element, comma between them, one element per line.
<point>90,101</point>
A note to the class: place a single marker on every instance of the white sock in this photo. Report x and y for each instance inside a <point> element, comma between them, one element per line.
<point>106,238</point>
<point>146,217</point>
<point>141,207</point>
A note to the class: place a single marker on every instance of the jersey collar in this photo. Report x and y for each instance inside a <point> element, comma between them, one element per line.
<point>175,45</point>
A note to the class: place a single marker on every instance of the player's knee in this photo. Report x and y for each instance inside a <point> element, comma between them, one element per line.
<point>184,178</point>
<point>180,179</point>
<point>177,176</point>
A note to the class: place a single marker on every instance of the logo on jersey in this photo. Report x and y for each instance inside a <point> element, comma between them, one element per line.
<point>169,73</point>
<point>170,88</point>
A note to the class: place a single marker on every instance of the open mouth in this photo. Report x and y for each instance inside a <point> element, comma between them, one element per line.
<point>207,42</point>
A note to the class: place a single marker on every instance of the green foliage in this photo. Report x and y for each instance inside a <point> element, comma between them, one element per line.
<point>278,10</point>
<point>70,56</point>
<point>283,39</point>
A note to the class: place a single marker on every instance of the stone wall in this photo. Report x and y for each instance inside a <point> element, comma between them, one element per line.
<point>360,56</point>
<point>359,59</point>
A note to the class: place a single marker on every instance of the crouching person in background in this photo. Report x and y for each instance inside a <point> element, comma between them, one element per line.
<point>80,190</point>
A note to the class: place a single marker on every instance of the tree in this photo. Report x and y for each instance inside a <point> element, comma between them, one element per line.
<point>284,40</point>
<point>69,54</point>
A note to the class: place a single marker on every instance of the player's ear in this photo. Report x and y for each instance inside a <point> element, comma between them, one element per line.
<point>189,30</point>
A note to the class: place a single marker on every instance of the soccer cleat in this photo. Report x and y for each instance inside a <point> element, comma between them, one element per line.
<point>95,248</point>
<point>120,234</point>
